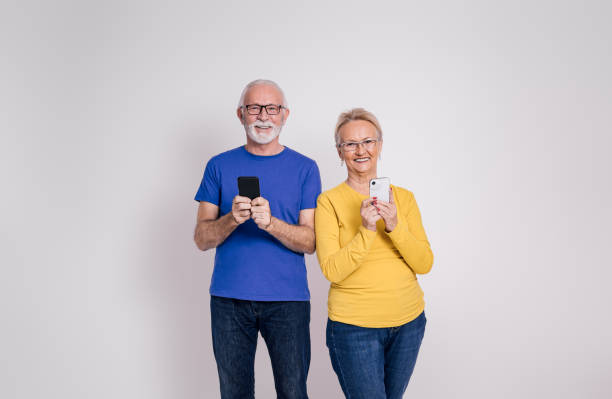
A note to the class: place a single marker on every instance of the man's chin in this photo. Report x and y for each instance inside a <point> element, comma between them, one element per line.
<point>262,138</point>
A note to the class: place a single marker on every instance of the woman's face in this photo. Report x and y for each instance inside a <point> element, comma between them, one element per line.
<point>363,159</point>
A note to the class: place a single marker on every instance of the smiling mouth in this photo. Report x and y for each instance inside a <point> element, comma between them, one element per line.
<point>360,160</point>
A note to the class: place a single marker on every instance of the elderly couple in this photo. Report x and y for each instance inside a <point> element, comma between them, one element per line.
<point>370,250</point>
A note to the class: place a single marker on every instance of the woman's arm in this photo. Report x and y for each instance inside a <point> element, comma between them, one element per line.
<point>409,237</point>
<point>338,263</point>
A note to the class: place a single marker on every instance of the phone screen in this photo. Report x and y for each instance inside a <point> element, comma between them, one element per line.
<point>248,186</point>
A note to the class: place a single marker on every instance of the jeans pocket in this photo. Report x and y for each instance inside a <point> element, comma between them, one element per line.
<point>221,313</point>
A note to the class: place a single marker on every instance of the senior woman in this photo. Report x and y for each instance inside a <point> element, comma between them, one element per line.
<point>371,252</point>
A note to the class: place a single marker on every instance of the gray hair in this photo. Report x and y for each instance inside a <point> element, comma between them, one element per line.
<point>262,82</point>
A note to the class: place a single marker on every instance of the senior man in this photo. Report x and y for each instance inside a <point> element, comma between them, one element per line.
<point>259,280</point>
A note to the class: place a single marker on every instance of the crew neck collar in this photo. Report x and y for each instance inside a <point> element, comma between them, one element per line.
<point>264,157</point>
<point>354,191</point>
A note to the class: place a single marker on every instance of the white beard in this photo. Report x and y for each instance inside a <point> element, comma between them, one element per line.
<point>264,137</point>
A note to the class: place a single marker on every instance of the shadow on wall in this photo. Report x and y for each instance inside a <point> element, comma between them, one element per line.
<point>178,273</point>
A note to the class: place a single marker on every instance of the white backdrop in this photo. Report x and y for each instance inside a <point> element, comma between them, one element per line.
<point>496,115</point>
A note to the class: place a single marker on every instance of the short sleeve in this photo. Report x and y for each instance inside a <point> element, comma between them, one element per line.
<point>311,188</point>
<point>210,189</point>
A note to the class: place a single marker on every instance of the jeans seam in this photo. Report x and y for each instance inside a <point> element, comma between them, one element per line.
<point>343,383</point>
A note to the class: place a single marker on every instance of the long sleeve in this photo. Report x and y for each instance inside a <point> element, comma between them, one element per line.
<point>410,239</point>
<point>337,263</point>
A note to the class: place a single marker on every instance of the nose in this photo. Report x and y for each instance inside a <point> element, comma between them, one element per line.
<point>360,148</point>
<point>263,114</point>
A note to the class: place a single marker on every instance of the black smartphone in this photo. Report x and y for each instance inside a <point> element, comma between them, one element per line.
<point>248,186</point>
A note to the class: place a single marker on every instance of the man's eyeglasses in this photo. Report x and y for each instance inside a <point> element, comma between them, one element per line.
<point>255,109</point>
<point>351,146</point>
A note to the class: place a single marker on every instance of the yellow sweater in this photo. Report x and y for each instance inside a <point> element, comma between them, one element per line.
<point>372,274</point>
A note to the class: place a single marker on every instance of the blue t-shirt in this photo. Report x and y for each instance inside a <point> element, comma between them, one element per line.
<point>251,264</point>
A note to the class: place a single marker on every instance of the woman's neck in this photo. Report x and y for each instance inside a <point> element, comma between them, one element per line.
<point>360,182</point>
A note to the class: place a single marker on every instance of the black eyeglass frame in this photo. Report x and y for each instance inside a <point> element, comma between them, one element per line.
<point>261,108</point>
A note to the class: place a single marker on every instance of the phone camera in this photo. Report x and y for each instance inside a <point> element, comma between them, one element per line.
<point>373,183</point>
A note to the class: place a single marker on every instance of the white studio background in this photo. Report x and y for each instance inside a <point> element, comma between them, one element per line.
<point>496,115</point>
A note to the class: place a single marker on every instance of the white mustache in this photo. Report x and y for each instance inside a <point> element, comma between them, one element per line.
<point>263,124</point>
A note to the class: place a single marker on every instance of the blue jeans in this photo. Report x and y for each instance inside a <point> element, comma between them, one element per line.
<point>284,327</point>
<point>374,363</point>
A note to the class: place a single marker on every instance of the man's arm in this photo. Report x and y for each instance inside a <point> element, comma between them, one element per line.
<point>297,237</point>
<point>212,230</point>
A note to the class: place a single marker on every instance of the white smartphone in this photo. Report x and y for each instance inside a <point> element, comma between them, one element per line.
<point>379,188</point>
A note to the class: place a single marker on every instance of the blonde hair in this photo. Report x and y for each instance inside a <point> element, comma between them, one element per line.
<point>356,114</point>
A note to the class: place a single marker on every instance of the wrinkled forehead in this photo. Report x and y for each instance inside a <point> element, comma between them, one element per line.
<point>263,94</point>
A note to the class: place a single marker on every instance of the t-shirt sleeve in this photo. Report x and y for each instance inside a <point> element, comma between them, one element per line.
<point>311,188</point>
<point>210,189</point>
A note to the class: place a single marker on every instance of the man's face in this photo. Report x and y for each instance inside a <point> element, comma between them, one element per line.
<point>263,128</point>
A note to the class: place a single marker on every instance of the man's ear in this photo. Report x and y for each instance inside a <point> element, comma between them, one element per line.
<point>286,114</point>
<point>239,114</point>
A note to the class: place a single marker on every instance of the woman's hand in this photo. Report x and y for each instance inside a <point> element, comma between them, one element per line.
<point>369,214</point>
<point>388,212</point>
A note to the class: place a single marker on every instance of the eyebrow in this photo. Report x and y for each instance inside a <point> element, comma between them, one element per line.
<point>356,141</point>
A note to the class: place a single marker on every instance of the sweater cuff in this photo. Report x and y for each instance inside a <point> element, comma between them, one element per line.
<point>367,233</point>
<point>399,232</point>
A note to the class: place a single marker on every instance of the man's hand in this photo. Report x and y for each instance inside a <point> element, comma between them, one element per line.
<point>241,209</point>
<point>260,213</point>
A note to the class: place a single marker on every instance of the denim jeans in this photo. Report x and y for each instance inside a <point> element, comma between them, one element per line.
<point>285,329</point>
<point>374,363</point>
